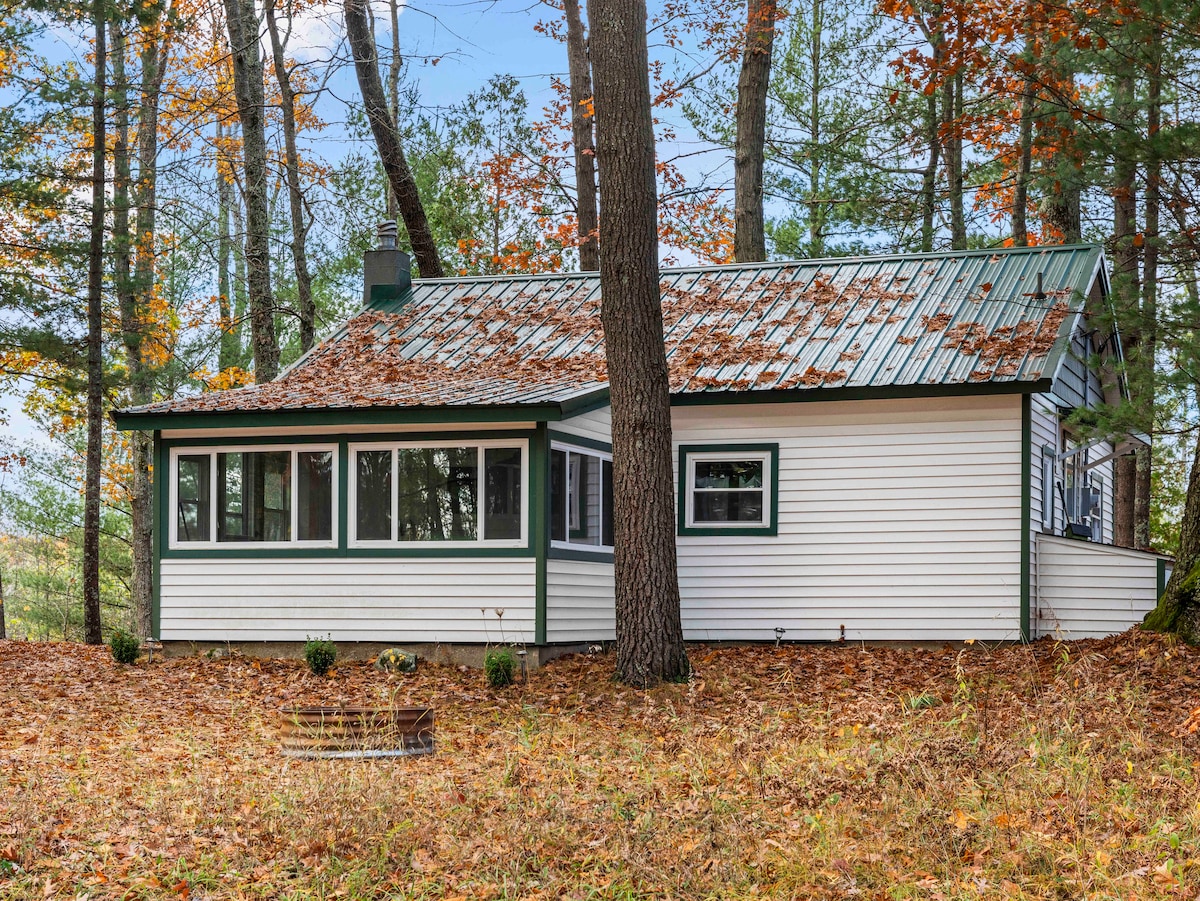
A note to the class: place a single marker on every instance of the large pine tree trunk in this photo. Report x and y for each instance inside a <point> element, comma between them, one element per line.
<point>1178,609</point>
<point>242,23</point>
<point>287,98</point>
<point>229,352</point>
<point>1149,311</point>
<point>1125,294</point>
<point>649,634</point>
<point>141,511</point>
<point>387,140</point>
<point>816,206</point>
<point>749,150</point>
<point>95,337</point>
<point>580,73</point>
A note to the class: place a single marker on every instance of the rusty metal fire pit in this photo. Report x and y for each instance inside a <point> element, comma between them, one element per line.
<point>356,732</point>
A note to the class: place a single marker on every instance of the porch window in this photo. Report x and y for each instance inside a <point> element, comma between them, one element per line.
<point>252,495</point>
<point>581,498</point>
<point>438,493</point>
<point>729,490</point>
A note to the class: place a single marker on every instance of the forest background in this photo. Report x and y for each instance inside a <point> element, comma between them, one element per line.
<point>889,126</point>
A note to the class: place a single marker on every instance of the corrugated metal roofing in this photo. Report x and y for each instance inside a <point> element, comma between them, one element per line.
<point>906,320</point>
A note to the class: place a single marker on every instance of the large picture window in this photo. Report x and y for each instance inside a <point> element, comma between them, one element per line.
<point>252,495</point>
<point>728,490</point>
<point>438,493</point>
<point>580,498</point>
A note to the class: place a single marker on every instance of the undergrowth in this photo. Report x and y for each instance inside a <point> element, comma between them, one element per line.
<point>1063,771</point>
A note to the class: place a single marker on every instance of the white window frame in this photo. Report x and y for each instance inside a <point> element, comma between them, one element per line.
<point>691,458</point>
<point>393,542</point>
<point>569,545</point>
<point>1049,488</point>
<point>211,452</point>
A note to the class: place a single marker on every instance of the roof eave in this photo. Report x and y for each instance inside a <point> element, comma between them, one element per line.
<point>127,420</point>
<point>863,392</point>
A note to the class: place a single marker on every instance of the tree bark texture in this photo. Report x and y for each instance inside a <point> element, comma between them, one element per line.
<point>954,162</point>
<point>649,633</point>
<point>95,337</point>
<point>1148,350</point>
<point>229,350</point>
<point>750,142</point>
<point>287,99</point>
<point>1126,289</point>
<point>248,86</point>
<point>387,140</point>
<point>816,207</point>
<point>1178,609</point>
<point>394,67</point>
<point>579,68</point>
<point>128,289</point>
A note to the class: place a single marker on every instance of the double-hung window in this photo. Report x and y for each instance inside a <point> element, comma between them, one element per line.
<point>434,493</point>
<point>728,490</point>
<point>580,498</point>
<point>253,496</point>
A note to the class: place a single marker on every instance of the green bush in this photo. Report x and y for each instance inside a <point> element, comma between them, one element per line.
<point>125,647</point>
<point>320,654</point>
<point>500,667</point>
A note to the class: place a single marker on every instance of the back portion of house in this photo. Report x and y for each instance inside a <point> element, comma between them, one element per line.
<point>866,449</point>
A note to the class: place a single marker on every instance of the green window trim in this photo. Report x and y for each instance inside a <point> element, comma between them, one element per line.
<point>769,453</point>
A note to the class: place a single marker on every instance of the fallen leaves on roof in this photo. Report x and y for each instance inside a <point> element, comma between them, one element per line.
<point>525,340</point>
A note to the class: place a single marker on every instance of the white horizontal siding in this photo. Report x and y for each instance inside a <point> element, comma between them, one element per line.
<point>595,424</point>
<point>351,599</point>
<point>897,520</point>
<point>1087,590</point>
<point>580,602</point>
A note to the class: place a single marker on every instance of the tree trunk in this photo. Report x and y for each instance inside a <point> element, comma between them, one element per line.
<point>141,511</point>
<point>229,351</point>
<point>394,87</point>
<point>749,150</point>
<point>1178,609</point>
<point>1126,291</point>
<point>958,219</point>
<point>933,138</point>
<point>816,208</point>
<point>248,87</point>
<point>287,97</point>
<point>3,626</point>
<point>1148,350</point>
<point>95,387</point>
<point>387,140</point>
<point>580,69</point>
<point>649,633</point>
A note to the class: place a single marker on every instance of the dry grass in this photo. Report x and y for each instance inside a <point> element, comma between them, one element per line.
<point>1054,771</point>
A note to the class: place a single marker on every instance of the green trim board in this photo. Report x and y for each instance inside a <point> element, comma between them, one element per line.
<point>158,456</point>
<point>126,420</point>
<point>1161,574</point>
<point>772,529</point>
<point>579,441</point>
<point>539,524</point>
<point>1026,512</point>
<point>277,552</point>
<point>562,553</point>
<point>355,438</point>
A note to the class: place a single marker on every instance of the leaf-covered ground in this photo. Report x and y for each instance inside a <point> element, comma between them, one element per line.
<point>1051,771</point>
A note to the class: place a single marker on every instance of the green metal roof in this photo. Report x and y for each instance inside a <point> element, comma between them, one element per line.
<point>933,321</point>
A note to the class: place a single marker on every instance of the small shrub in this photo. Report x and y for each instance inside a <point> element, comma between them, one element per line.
<point>500,667</point>
<point>125,647</point>
<point>394,660</point>
<point>320,654</point>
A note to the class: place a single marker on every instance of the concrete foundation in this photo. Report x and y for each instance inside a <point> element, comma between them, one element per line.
<point>453,654</point>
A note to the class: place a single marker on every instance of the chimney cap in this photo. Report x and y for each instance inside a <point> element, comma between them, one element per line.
<point>387,232</point>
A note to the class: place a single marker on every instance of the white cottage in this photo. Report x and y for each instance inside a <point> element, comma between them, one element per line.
<point>867,449</point>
